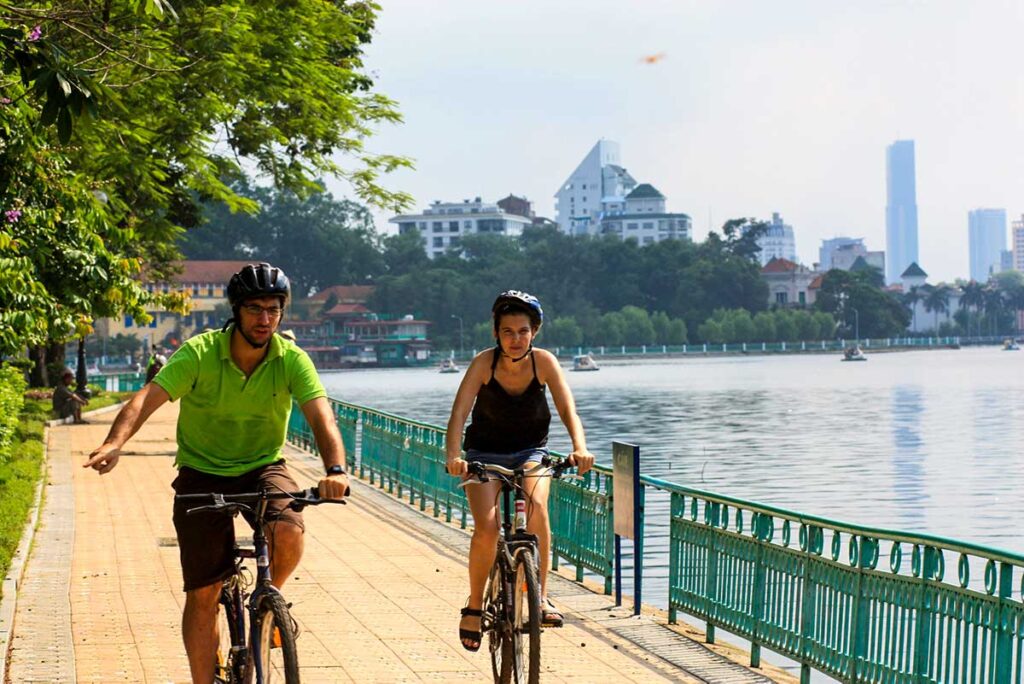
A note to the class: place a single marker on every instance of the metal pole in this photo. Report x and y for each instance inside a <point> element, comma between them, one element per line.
<point>461,349</point>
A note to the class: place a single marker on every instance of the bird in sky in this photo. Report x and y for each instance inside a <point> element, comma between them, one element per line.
<point>653,59</point>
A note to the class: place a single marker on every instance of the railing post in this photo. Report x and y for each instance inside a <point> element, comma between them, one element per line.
<point>925,614</point>
<point>761,527</point>
<point>1004,626</point>
<point>861,610</point>
<point>807,606</point>
<point>711,576</point>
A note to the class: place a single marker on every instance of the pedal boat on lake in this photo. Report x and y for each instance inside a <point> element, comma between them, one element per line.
<point>448,366</point>
<point>1010,345</point>
<point>854,354</point>
<point>584,362</point>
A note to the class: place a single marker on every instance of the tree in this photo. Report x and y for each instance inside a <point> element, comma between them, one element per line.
<point>972,297</point>
<point>936,299</point>
<point>317,240</point>
<point>563,332</point>
<point>638,327</point>
<point>159,89</point>
<point>879,312</point>
<point>910,299</point>
<point>764,327</point>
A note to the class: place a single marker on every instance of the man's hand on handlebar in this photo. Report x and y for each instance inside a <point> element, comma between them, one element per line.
<point>334,486</point>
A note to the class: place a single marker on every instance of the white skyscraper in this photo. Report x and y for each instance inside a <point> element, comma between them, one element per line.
<point>598,185</point>
<point>778,242</point>
<point>986,230</point>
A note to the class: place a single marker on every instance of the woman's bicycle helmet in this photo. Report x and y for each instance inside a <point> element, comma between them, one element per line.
<point>259,280</point>
<point>516,301</point>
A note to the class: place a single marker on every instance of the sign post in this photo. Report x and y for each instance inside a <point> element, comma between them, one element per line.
<point>627,498</point>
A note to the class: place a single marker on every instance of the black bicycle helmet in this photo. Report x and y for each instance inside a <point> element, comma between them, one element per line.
<point>257,280</point>
<point>516,301</point>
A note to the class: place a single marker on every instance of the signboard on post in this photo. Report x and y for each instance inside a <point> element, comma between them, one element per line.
<point>626,479</point>
<point>627,502</point>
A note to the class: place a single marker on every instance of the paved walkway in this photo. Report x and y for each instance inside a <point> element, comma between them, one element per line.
<point>376,596</point>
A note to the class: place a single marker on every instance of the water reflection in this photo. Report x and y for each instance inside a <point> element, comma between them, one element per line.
<point>908,456</point>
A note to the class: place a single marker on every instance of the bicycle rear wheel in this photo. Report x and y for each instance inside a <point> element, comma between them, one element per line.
<point>275,642</point>
<point>526,620</point>
<point>496,625</point>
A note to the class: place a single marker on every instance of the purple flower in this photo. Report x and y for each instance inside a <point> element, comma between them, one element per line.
<point>12,215</point>
<point>5,100</point>
<point>36,34</point>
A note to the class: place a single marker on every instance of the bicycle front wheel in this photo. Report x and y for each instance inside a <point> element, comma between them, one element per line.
<point>526,620</point>
<point>496,624</point>
<point>230,666</point>
<point>275,642</point>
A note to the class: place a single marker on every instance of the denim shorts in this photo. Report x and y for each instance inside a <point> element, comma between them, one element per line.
<point>513,460</point>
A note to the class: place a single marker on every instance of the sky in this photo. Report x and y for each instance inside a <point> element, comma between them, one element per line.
<point>753,107</point>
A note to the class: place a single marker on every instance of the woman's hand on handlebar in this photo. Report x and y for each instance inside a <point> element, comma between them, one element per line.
<point>582,459</point>
<point>457,467</point>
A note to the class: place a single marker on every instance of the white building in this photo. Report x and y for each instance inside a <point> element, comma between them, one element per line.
<point>842,252</point>
<point>922,320</point>
<point>778,241</point>
<point>599,185</point>
<point>986,233</point>
<point>1018,244</point>
<point>643,218</point>
<point>444,224</point>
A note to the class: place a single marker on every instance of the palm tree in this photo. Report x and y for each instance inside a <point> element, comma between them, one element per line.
<point>994,305</point>
<point>910,299</point>
<point>973,298</point>
<point>937,299</point>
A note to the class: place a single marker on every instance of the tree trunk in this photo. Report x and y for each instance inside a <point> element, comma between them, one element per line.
<point>38,377</point>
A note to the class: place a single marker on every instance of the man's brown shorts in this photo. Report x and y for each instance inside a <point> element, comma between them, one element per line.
<point>206,540</point>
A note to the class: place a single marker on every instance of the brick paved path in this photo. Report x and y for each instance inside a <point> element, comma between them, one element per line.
<point>376,596</point>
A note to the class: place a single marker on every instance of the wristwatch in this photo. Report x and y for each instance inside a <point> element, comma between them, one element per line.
<point>336,469</point>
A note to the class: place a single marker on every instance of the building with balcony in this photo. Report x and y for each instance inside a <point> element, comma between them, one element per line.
<point>443,225</point>
<point>642,216</point>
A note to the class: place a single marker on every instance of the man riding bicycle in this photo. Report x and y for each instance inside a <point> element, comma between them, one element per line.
<point>236,387</point>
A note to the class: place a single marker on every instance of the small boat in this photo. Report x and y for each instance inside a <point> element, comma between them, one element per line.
<point>1010,345</point>
<point>448,366</point>
<point>854,354</point>
<point>584,362</point>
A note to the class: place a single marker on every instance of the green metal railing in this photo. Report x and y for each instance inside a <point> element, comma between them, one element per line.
<point>119,382</point>
<point>858,603</point>
<point>811,589</point>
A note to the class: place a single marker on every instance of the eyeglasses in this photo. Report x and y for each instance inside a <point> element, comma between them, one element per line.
<point>255,310</point>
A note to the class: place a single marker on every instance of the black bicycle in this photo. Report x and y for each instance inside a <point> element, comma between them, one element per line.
<point>265,652</point>
<point>511,613</point>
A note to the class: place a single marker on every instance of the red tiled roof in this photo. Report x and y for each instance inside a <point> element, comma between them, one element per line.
<point>777,265</point>
<point>345,293</point>
<point>816,283</point>
<point>212,272</point>
<point>344,309</point>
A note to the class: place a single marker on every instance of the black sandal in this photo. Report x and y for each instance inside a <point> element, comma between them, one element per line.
<point>550,616</point>
<point>470,635</point>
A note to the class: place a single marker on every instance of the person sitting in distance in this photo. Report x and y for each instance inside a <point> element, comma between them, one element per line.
<point>67,403</point>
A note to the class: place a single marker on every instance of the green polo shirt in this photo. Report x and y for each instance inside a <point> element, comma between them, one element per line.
<point>230,424</point>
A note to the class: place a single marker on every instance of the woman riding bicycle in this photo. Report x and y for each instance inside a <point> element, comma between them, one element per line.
<point>505,389</point>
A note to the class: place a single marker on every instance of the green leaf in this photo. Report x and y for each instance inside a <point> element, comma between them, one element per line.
<point>64,125</point>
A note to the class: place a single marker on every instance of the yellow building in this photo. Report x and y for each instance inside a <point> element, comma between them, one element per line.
<point>206,281</point>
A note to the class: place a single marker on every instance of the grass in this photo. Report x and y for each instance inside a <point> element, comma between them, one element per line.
<point>20,474</point>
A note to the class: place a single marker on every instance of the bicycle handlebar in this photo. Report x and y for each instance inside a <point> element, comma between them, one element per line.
<point>235,502</point>
<point>556,469</point>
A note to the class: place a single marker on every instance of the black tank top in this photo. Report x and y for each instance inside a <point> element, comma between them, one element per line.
<point>503,423</point>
